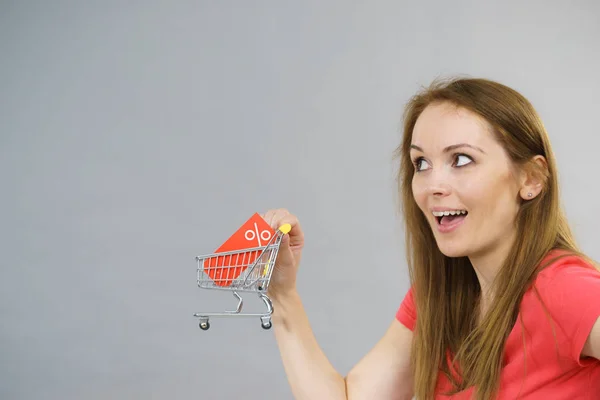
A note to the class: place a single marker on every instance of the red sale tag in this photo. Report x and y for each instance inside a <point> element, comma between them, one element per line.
<point>253,233</point>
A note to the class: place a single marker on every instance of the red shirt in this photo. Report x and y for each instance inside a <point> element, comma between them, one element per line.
<point>570,289</point>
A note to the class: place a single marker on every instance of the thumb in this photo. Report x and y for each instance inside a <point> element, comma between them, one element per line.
<point>285,250</point>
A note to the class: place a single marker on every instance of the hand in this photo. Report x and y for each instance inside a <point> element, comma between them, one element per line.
<point>283,279</point>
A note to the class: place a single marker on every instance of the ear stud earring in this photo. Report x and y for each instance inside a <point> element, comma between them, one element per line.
<point>529,194</point>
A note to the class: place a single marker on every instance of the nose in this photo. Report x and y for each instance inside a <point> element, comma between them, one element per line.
<point>438,184</point>
<point>440,190</point>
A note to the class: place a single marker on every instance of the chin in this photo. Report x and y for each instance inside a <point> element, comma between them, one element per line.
<point>452,251</point>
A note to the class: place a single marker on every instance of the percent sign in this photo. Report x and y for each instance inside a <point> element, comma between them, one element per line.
<point>255,234</point>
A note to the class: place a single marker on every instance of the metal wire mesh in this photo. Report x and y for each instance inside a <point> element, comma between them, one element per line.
<point>247,270</point>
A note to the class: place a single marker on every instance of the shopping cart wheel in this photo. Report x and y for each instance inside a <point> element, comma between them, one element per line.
<point>265,322</point>
<point>204,325</point>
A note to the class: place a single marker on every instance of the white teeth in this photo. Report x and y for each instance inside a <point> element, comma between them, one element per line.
<point>446,213</point>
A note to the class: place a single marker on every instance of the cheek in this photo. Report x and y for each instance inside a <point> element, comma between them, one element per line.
<point>475,194</point>
<point>419,193</point>
<point>493,197</point>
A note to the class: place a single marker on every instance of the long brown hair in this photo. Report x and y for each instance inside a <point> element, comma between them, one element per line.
<point>446,290</point>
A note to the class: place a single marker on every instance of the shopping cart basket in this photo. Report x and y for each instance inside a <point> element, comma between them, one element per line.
<point>247,270</point>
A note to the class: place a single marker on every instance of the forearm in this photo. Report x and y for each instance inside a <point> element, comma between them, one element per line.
<point>309,372</point>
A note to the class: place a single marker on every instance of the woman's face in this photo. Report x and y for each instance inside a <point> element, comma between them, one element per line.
<point>463,182</point>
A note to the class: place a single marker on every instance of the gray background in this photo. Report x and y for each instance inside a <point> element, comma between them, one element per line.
<point>135,136</point>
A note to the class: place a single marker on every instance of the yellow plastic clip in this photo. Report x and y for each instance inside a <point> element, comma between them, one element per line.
<point>285,228</point>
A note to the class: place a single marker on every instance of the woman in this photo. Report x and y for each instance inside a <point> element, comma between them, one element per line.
<point>502,303</point>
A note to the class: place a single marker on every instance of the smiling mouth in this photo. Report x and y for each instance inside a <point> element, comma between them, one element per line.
<point>447,218</point>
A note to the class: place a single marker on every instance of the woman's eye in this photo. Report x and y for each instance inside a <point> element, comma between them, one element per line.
<point>462,160</point>
<point>421,164</point>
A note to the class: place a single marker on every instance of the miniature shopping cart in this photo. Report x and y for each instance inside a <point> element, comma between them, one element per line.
<point>247,270</point>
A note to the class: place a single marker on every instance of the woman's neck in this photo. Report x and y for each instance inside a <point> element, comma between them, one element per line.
<point>487,265</point>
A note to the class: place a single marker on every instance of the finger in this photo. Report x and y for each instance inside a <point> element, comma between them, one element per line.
<point>268,216</point>
<point>296,236</point>
<point>273,216</point>
<point>279,216</point>
<point>296,233</point>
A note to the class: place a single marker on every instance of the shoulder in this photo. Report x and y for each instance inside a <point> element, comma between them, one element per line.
<point>567,283</point>
<point>569,288</point>
<point>407,313</point>
<point>562,268</point>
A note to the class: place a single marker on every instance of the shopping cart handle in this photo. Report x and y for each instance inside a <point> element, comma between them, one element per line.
<point>285,228</point>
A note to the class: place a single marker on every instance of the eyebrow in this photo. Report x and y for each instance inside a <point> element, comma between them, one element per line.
<point>450,148</point>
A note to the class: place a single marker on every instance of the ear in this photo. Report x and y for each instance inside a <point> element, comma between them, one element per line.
<point>533,177</point>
